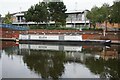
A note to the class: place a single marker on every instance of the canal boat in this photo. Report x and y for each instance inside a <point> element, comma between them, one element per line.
<point>58,39</point>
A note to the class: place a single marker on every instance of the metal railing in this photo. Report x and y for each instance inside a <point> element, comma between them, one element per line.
<point>9,26</point>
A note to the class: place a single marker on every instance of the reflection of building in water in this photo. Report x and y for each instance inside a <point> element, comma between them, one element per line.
<point>109,53</point>
<point>50,47</point>
<point>78,56</point>
<point>104,52</point>
<point>79,53</point>
<point>75,56</point>
<point>72,53</point>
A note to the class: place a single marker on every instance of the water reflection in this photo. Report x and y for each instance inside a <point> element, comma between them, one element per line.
<point>49,64</point>
<point>0,65</point>
<point>0,60</point>
<point>64,61</point>
<point>106,69</point>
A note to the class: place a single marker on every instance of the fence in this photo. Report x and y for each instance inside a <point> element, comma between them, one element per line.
<point>14,27</point>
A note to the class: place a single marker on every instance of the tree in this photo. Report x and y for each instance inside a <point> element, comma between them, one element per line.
<point>29,14</point>
<point>93,15</point>
<point>99,15</point>
<point>38,13</point>
<point>103,15</point>
<point>46,11</point>
<point>7,19</point>
<point>115,13</point>
<point>57,12</point>
<point>41,10</point>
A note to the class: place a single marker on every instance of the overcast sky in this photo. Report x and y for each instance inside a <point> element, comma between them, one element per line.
<point>23,5</point>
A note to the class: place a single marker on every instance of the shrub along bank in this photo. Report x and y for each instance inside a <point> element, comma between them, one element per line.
<point>62,28</point>
<point>51,28</point>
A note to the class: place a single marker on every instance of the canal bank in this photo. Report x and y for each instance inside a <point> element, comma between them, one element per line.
<point>8,34</point>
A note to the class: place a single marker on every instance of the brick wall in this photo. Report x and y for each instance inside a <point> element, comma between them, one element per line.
<point>7,33</point>
<point>110,25</point>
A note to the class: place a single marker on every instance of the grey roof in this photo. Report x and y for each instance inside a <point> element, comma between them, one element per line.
<point>67,12</point>
<point>75,11</point>
<point>52,0</point>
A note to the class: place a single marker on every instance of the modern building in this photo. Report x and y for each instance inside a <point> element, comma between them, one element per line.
<point>18,17</point>
<point>75,18</point>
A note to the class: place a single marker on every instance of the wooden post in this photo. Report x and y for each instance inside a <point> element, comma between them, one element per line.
<point>118,25</point>
<point>104,32</point>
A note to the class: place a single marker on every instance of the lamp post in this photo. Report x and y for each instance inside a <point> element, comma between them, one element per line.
<point>71,21</point>
<point>85,17</point>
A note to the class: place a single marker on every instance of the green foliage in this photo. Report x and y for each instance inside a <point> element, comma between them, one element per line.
<point>57,12</point>
<point>38,13</point>
<point>105,13</point>
<point>93,15</point>
<point>98,15</point>
<point>115,12</point>
<point>7,19</point>
<point>52,27</point>
<point>98,29</point>
<point>44,12</point>
<point>29,14</point>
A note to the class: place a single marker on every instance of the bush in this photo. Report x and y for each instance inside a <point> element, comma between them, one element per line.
<point>51,27</point>
<point>92,28</point>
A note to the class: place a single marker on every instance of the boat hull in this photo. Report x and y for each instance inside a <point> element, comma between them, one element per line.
<point>87,42</point>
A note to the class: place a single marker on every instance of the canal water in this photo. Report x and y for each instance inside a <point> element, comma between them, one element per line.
<point>59,61</point>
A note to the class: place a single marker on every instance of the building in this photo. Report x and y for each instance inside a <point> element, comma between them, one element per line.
<point>18,18</point>
<point>75,18</point>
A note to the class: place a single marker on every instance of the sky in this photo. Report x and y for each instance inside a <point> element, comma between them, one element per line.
<point>13,6</point>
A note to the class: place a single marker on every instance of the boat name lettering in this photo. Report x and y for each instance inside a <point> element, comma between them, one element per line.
<point>42,37</point>
<point>42,47</point>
